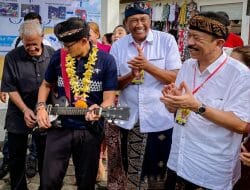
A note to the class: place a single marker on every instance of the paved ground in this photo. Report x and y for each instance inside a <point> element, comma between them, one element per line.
<point>33,183</point>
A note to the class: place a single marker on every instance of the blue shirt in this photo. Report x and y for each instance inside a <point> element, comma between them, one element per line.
<point>103,79</point>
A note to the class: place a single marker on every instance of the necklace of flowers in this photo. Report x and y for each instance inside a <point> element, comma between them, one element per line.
<point>81,91</point>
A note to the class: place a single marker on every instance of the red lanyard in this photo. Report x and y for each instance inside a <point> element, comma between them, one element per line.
<point>210,76</point>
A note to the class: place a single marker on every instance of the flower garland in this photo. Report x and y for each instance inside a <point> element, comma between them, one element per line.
<point>81,91</point>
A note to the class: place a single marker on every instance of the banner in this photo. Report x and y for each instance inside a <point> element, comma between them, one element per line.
<point>51,11</point>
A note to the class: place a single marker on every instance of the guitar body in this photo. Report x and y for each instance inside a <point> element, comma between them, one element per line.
<point>57,102</point>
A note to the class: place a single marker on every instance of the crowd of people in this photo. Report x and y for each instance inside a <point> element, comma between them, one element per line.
<point>187,119</point>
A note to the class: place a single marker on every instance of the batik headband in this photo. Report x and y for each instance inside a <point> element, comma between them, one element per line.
<point>208,25</point>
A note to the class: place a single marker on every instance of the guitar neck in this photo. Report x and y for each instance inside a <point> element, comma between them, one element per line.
<point>68,111</point>
<point>121,113</point>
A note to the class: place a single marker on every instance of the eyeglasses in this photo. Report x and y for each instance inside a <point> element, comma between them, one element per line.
<point>69,45</point>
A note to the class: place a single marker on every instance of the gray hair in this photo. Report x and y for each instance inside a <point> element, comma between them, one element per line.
<point>30,27</point>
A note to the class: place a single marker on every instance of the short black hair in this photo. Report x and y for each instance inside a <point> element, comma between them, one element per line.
<point>215,16</point>
<point>109,37</point>
<point>224,14</point>
<point>32,16</point>
<point>72,30</point>
<point>122,26</point>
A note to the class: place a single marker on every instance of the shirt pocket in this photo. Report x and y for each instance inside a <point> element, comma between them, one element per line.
<point>158,62</point>
<point>214,101</point>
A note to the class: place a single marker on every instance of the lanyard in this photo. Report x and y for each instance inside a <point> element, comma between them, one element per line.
<point>210,76</point>
<point>142,47</point>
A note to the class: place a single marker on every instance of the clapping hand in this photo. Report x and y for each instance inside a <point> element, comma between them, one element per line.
<point>138,63</point>
<point>170,89</point>
<point>181,97</point>
<point>245,156</point>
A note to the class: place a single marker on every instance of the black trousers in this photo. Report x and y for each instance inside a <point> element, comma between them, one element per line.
<point>175,182</point>
<point>17,144</point>
<point>83,145</point>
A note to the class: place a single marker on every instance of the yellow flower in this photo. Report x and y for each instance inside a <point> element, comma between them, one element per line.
<point>81,104</point>
<point>81,93</point>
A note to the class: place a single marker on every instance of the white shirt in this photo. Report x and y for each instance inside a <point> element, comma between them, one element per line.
<point>202,152</point>
<point>172,10</point>
<point>157,13</point>
<point>161,50</point>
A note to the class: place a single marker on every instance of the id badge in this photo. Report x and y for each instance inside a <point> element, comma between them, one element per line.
<point>139,79</point>
<point>182,116</point>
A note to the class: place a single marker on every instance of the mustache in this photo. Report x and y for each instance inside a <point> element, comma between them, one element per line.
<point>192,47</point>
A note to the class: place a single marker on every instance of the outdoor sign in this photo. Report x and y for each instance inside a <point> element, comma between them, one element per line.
<point>51,11</point>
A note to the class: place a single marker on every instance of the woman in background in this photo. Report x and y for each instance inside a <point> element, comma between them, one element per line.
<point>119,32</point>
<point>94,35</point>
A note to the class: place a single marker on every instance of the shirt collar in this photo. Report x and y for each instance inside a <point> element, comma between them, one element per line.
<point>149,38</point>
<point>214,65</point>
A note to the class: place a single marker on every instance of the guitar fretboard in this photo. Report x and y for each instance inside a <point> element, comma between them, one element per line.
<point>110,113</point>
<point>68,111</point>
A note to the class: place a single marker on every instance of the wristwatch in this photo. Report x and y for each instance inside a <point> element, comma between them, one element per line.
<point>201,109</point>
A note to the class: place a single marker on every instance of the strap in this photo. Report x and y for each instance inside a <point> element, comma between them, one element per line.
<point>64,74</point>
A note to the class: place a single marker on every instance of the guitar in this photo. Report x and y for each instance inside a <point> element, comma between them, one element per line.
<point>60,107</point>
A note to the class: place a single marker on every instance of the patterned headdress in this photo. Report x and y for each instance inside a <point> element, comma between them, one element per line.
<point>208,25</point>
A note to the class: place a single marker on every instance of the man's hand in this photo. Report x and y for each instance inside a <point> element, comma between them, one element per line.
<point>29,118</point>
<point>3,97</point>
<point>43,118</point>
<point>245,156</point>
<point>91,114</point>
<point>180,97</point>
<point>139,62</point>
<point>170,89</point>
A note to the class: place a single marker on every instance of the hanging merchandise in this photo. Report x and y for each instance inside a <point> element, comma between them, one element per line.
<point>187,11</point>
<point>165,12</point>
<point>171,17</point>
<point>183,15</point>
<point>157,12</point>
<point>191,7</point>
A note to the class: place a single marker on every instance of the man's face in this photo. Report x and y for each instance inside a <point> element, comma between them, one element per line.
<point>201,45</point>
<point>138,25</point>
<point>33,44</point>
<point>76,49</point>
